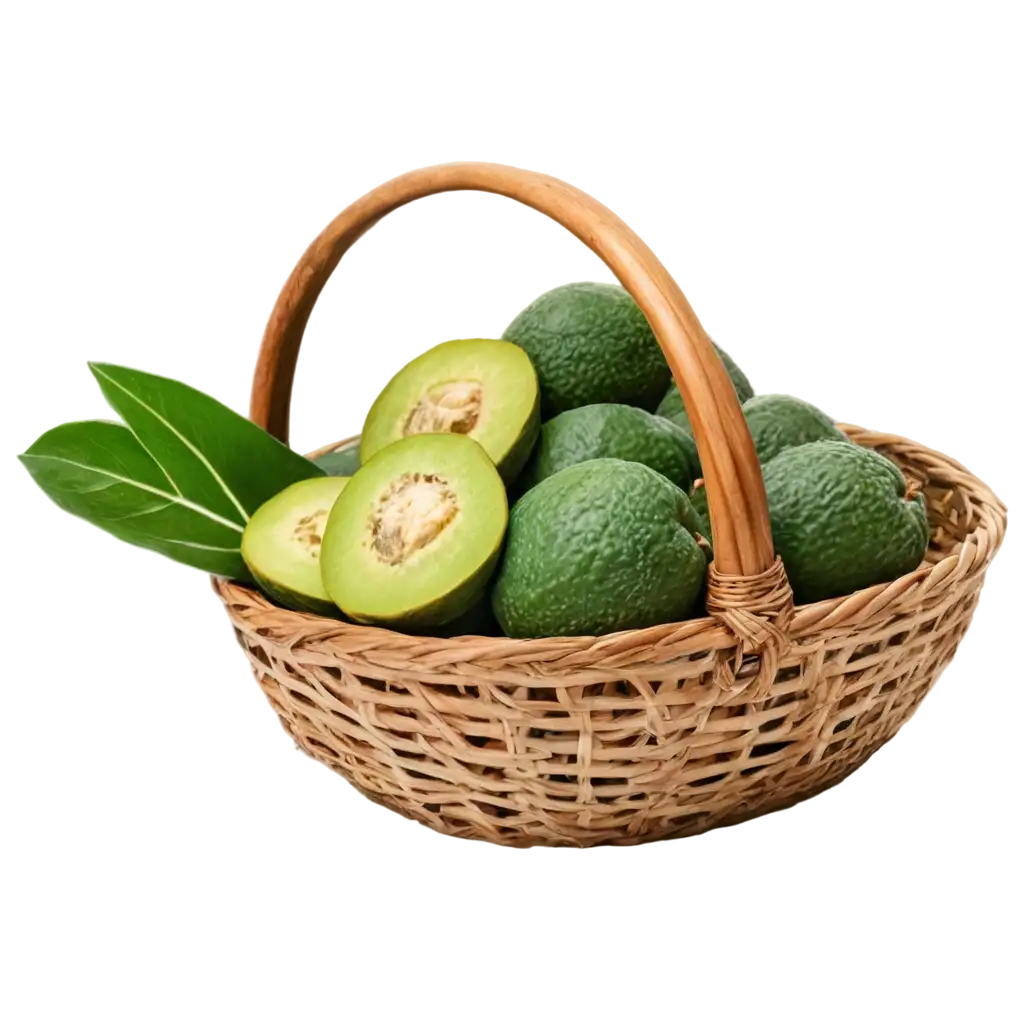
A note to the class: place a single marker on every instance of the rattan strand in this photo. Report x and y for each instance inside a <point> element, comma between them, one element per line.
<point>630,737</point>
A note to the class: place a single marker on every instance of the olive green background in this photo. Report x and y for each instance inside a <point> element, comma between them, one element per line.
<point>163,857</point>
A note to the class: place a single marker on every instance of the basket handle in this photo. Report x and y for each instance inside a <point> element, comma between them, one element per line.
<point>747,585</point>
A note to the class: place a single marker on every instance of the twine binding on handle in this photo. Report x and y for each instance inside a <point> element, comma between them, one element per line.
<point>758,610</point>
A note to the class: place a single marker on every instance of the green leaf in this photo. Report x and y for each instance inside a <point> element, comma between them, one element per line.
<point>210,454</point>
<point>181,478</point>
<point>99,471</point>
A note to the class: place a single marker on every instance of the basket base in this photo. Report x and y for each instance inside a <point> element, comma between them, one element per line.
<point>773,791</point>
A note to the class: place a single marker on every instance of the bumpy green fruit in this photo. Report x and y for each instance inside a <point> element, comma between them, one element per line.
<point>590,343</point>
<point>842,519</point>
<point>600,546</point>
<point>778,422</point>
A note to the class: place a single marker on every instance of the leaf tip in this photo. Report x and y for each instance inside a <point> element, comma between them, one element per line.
<point>16,458</point>
<point>103,367</point>
<point>16,462</point>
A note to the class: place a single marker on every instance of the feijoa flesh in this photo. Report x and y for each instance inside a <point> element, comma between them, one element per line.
<point>479,387</point>
<point>415,536</point>
<point>282,542</point>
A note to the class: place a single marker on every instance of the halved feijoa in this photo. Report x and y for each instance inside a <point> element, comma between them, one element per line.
<point>416,534</point>
<point>483,388</point>
<point>281,544</point>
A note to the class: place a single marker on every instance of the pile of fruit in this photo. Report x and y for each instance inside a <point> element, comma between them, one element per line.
<point>573,421</point>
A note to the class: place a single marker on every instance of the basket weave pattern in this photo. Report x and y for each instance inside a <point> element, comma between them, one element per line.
<point>635,736</point>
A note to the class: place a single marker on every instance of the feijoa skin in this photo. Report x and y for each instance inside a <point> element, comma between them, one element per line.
<point>598,547</point>
<point>612,432</point>
<point>671,405</point>
<point>842,519</point>
<point>778,422</point>
<point>478,621</point>
<point>415,536</point>
<point>282,543</point>
<point>343,461</point>
<point>478,387</point>
<point>590,343</point>
<point>697,524</point>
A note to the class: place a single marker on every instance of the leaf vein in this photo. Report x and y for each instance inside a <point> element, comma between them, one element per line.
<point>185,441</point>
<point>175,499</point>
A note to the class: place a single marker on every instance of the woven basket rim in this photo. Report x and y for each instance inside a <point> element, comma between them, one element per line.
<point>699,634</point>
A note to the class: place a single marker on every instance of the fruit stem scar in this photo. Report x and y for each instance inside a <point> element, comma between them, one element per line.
<point>411,514</point>
<point>449,408</point>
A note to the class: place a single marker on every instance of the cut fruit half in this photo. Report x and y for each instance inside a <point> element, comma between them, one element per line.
<point>416,534</point>
<point>282,541</point>
<point>479,387</point>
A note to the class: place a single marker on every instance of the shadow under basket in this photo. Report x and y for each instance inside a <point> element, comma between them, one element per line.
<point>641,735</point>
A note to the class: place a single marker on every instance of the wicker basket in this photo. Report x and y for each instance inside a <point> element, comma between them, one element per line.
<point>640,735</point>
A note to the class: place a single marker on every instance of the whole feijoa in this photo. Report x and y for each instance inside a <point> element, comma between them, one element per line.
<point>590,343</point>
<point>341,461</point>
<point>778,422</point>
<point>598,547</point>
<point>842,519</point>
<point>611,431</point>
<point>672,408</point>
